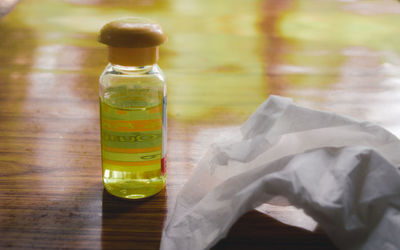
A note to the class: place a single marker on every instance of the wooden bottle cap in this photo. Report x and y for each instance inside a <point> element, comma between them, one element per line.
<point>132,41</point>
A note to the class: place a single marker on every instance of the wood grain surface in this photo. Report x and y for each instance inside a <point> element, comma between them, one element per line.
<point>222,60</point>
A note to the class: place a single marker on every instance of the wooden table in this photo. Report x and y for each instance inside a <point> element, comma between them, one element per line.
<point>222,60</point>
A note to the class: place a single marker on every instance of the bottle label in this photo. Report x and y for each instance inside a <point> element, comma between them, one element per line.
<point>132,137</point>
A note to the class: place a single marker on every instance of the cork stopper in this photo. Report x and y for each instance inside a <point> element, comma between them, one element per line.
<point>132,41</point>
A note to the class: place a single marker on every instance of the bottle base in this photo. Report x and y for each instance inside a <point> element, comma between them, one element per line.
<point>134,189</point>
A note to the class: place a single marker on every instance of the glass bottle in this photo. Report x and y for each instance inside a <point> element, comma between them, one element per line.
<point>133,109</point>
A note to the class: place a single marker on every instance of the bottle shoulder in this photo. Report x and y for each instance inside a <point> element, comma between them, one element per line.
<point>116,74</point>
<point>130,71</point>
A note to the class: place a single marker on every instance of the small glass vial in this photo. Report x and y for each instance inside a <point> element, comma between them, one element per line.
<point>133,109</point>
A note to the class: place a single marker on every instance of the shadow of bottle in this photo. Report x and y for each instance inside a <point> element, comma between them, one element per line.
<point>132,224</point>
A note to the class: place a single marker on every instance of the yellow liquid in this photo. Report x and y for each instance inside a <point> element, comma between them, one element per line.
<point>132,156</point>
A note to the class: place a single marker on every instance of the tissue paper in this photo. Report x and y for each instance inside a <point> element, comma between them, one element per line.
<point>343,173</point>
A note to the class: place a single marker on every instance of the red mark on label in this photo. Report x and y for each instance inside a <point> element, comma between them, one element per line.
<point>163,166</point>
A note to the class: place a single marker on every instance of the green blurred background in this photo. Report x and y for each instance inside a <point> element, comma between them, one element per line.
<point>224,58</point>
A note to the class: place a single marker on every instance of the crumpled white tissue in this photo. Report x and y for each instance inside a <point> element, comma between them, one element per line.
<point>343,173</point>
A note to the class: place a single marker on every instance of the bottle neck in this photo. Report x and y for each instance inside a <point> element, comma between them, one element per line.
<point>133,57</point>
